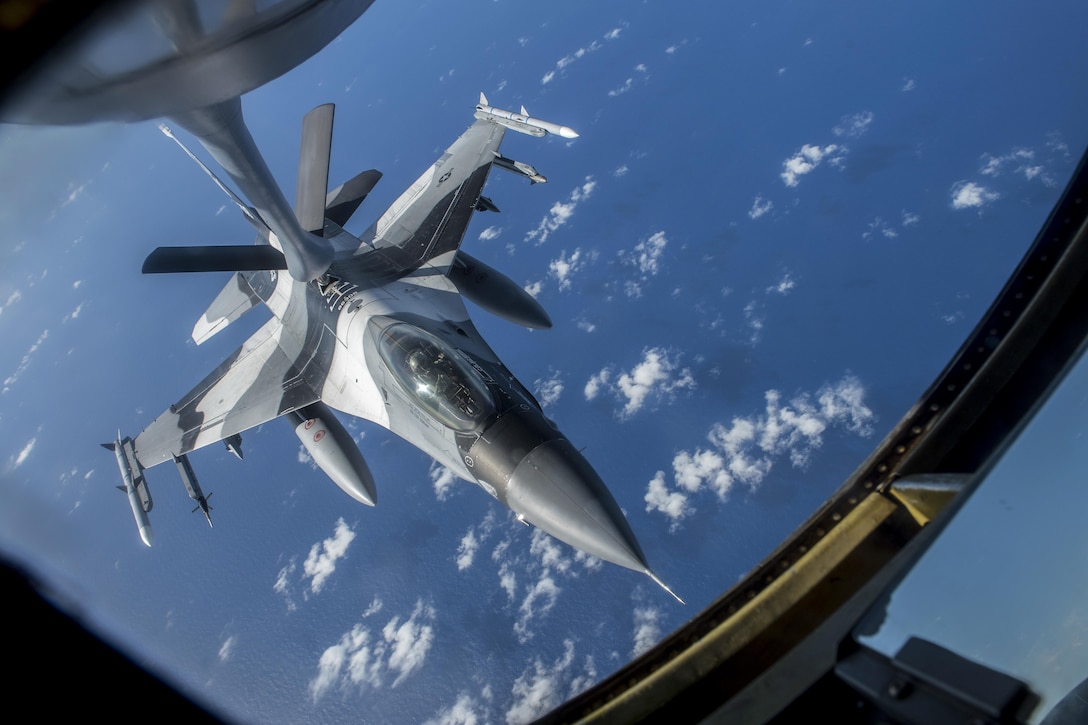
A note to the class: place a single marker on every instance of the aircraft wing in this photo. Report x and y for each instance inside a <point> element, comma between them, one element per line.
<point>258,382</point>
<point>427,223</point>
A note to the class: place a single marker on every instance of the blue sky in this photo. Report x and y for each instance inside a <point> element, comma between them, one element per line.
<point>777,225</point>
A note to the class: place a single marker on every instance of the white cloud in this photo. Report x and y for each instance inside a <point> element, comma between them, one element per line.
<point>754,318</point>
<point>549,389</point>
<point>1021,161</point>
<point>908,85</point>
<point>968,194</point>
<point>854,125</point>
<point>74,192</point>
<point>25,362</point>
<point>692,470</point>
<point>490,233</point>
<point>538,601</point>
<point>596,382</point>
<point>622,88</point>
<point>362,659</point>
<point>760,206</point>
<point>646,256</point>
<point>282,579</point>
<point>1054,144</point>
<point>466,710</point>
<point>321,562</point>
<point>549,561</point>
<point>12,299</point>
<point>570,58</point>
<point>374,608</point>
<point>881,227</point>
<point>561,212</point>
<point>467,549</point>
<point>746,451</point>
<point>671,503</point>
<point>534,288</point>
<point>656,378</point>
<point>473,539</point>
<point>804,162</point>
<point>305,458</point>
<point>563,268</point>
<point>22,455</point>
<point>227,649</point>
<point>784,286</point>
<point>620,171</point>
<point>586,326</point>
<point>996,165</point>
<point>74,314</point>
<point>443,479</point>
<point>576,55</point>
<point>549,553</point>
<point>647,629</point>
<point>540,688</point>
<point>409,642</point>
<point>508,579</point>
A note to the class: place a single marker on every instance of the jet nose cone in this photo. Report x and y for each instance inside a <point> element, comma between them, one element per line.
<point>568,132</point>
<point>555,489</point>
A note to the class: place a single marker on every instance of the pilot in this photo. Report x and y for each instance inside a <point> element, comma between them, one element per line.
<point>420,365</point>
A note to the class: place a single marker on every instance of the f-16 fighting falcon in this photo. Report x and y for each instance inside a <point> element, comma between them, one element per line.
<point>375,326</point>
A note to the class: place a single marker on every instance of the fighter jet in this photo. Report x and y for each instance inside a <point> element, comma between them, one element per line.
<point>380,331</point>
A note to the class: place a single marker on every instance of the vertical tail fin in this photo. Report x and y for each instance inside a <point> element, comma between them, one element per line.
<point>313,169</point>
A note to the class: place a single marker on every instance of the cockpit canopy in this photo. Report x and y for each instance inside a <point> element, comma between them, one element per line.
<point>436,377</point>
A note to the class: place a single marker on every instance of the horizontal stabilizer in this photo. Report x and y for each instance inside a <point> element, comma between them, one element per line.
<point>342,201</point>
<point>236,298</point>
<point>223,258</point>
<point>256,383</point>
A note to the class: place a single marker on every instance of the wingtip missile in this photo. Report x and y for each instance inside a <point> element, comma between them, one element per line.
<point>521,122</point>
<point>132,473</point>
